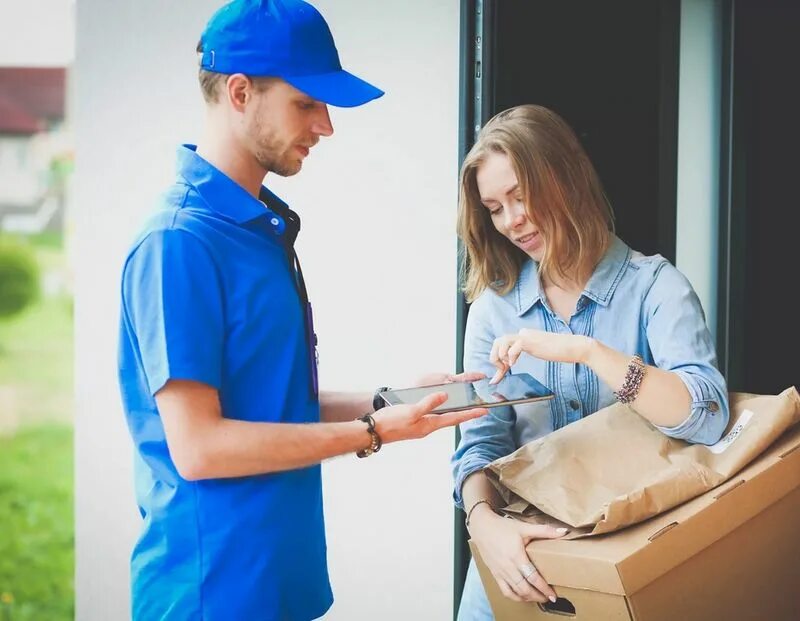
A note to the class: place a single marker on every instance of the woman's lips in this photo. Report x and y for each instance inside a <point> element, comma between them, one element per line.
<point>530,242</point>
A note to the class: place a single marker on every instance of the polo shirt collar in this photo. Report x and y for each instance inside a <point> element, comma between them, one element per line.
<point>222,194</point>
<point>600,287</point>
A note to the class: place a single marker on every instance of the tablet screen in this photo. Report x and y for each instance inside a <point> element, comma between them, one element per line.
<point>512,389</point>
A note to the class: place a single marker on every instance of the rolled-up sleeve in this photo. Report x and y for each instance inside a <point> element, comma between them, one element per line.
<point>490,437</point>
<point>681,342</point>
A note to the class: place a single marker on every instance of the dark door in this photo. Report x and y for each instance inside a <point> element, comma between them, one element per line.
<point>760,238</point>
<point>611,70</point>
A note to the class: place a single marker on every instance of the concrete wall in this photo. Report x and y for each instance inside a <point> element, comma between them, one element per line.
<point>378,249</point>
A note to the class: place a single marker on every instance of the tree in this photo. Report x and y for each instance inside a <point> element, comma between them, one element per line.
<point>19,277</point>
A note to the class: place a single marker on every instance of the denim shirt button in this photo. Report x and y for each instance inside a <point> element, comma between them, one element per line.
<point>713,406</point>
<point>574,404</point>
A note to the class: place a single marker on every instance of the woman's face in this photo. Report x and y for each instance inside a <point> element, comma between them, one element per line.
<point>500,194</point>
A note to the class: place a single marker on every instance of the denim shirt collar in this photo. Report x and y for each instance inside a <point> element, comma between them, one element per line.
<point>222,194</point>
<point>600,287</point>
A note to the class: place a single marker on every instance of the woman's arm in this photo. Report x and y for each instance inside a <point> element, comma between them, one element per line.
<point>683,394</point>
<point>502,543</point>
<point>482,441</point>
<point>663,398</point>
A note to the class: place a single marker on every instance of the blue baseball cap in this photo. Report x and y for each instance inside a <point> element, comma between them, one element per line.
<point>286,39</point>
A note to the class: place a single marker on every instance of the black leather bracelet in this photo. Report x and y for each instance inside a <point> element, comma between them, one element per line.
<point>377,400</point>
<point>376,443</point>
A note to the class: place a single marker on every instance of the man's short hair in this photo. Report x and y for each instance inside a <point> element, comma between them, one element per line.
<point>211,81</point>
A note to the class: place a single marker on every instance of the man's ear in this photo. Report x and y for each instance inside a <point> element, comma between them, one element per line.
<point>239,90</point>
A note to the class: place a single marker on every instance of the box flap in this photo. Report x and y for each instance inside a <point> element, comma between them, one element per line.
<point>625,561</point>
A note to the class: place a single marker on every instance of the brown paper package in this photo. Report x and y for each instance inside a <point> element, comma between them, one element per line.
<point>613,469</point>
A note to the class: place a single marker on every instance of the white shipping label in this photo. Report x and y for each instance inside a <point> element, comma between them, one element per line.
<point>734,433</point>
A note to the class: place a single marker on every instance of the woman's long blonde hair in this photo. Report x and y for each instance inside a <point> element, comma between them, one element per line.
<point>563,197</point>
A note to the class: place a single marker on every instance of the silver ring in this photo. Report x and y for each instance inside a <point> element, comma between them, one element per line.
<point>527,571</point>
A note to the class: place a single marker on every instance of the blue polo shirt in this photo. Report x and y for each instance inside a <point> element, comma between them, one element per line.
<point>208,295</point>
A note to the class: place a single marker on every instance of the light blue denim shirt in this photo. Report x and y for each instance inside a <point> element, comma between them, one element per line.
<point>633,303</point>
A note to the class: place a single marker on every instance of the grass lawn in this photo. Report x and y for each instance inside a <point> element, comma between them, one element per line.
<point>36,365</point>
<point>36,460</point>
<point>36,542</point>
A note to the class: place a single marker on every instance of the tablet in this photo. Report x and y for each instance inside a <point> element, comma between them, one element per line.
<point>511,390</point>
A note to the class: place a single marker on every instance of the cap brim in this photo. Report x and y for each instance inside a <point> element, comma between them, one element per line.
<point>339,88</point>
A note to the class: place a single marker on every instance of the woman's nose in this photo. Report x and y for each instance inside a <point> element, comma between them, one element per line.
<point>515,218</point>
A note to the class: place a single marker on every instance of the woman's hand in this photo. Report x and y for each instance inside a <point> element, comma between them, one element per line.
<point>545,345</point>
<point>501,543</point>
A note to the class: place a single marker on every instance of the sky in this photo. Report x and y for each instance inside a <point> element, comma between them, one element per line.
<point>37,33</point>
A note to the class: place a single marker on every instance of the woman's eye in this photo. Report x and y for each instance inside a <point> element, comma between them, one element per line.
<point>494,212</point>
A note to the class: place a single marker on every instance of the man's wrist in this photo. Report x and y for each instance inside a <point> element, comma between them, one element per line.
<point>375,440</point>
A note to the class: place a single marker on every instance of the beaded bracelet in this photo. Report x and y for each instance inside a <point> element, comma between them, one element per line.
<point>633,380</point>
<point>375,440</point>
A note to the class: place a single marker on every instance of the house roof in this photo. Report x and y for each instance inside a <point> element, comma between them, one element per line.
<point>30,96</point>
<point>14,119</point>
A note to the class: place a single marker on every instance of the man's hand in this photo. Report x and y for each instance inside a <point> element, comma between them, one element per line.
<point>409,422</point>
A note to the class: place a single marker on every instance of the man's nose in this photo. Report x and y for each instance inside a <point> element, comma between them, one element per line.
<point>322,123</point>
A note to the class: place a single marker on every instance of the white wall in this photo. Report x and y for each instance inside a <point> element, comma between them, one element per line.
<point>37,33</point>
<point>698,150</point>
<point>378,249</point>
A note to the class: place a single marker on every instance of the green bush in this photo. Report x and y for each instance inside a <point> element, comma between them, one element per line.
<point>19,277</point>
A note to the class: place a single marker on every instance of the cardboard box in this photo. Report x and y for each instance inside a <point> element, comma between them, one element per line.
<point>732,554</point>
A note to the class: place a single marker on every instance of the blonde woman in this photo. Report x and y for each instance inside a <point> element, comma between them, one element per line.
<point>556,294</point>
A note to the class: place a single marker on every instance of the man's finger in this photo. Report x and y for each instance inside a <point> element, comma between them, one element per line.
<point>456,418</point>
<point>431,402</point>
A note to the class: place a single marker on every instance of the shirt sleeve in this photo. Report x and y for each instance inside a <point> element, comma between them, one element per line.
<point>172,300</point>
<point>681,342</point>
<point>489,437</point>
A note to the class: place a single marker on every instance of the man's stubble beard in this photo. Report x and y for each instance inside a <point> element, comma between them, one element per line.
<point>271,154</point>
